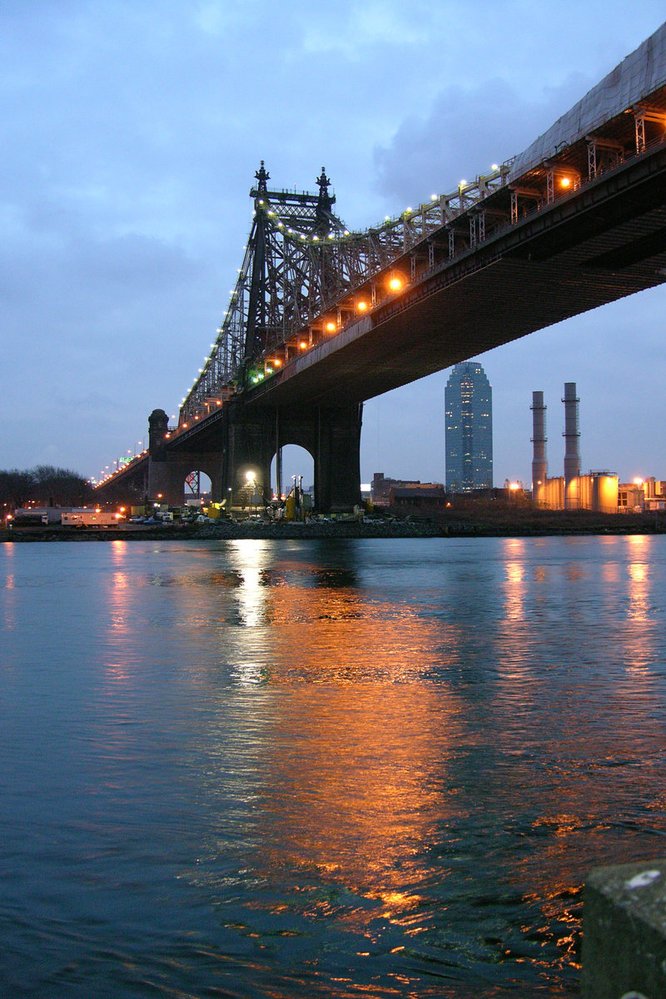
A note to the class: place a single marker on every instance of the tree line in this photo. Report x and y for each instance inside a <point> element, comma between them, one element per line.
<point>44,485</point>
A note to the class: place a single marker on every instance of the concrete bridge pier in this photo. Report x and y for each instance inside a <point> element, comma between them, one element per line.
<point>168,469</point>
<point>332,435</point>
<point>337,458</point>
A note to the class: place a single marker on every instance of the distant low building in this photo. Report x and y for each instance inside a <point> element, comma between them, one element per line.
<point>655,493</point>
<point>641,495</point>
<point>630,498</point>
<point>381,486</point>
<point>424,497</point>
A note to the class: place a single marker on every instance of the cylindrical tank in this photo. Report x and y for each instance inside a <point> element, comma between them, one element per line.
<point>539,460</point>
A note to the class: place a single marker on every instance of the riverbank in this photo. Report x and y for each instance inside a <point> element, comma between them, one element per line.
<point>522,523</point>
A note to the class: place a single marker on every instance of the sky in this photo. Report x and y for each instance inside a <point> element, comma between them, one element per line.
<point>131,131</point>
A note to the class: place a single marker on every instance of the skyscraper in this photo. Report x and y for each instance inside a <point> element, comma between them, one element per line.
<point>469,429</point>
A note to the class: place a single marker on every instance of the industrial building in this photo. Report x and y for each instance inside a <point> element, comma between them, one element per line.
<point>385,492</point>
<point>469,429</point>
<point>596,491</point>
<point>642,495</point>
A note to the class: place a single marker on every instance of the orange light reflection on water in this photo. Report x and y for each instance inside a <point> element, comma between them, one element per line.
<point>357,802</point>
<point>354,755</point>
<point>359,748</point>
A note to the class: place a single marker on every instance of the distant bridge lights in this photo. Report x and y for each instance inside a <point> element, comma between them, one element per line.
<point>362,306</point>
<point>396,283</point>
<point>330,326</point>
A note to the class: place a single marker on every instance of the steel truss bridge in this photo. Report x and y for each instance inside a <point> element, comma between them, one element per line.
<point>323,317</point>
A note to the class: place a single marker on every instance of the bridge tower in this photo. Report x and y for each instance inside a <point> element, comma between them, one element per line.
<point>288,273</point>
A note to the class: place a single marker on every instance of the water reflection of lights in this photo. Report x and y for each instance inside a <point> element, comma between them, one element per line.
<point>639,613</point>
<point>610,572</point>
<point>119,606</point>
<point>514,590</point>
<point>248,559</point>
<point>639,590</point>
<point>350,739</point>
<point>359,803</point>
<point>9,586</point>
<point>307,623</point>
<point>514,551</point>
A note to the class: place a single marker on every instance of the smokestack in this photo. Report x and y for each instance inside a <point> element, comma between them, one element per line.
<point>539,460</point>
<point>571,433</point>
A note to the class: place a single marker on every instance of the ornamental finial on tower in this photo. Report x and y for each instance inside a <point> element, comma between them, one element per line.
<point>262,176</point>
<point>326,201</point>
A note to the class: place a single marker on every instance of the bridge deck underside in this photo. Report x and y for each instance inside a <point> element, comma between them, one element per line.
<point>582,253</point>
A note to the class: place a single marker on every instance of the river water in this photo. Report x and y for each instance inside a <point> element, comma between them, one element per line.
<point>375,768</point>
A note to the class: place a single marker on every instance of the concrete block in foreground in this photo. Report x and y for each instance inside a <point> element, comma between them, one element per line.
<point>624,932</point>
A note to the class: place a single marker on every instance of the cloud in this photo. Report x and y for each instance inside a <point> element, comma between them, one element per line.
<point>466,130</point>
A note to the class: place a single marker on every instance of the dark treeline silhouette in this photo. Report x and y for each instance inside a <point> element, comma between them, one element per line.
<point>45,485</point>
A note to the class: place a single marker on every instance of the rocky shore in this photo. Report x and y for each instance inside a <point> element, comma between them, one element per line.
<point>520,524</point>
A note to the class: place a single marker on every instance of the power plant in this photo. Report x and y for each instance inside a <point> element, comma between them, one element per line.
<point>597,491</point>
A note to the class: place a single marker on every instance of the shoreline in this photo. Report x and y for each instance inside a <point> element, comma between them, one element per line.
<point>459,528</point>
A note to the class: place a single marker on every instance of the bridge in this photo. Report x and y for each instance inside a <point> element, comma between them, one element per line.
<point>323,318</point>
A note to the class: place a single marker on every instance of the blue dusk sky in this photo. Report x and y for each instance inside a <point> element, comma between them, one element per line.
<point>131,133</point>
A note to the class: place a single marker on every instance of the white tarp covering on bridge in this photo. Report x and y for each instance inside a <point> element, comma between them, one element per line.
<point>641,73</point>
